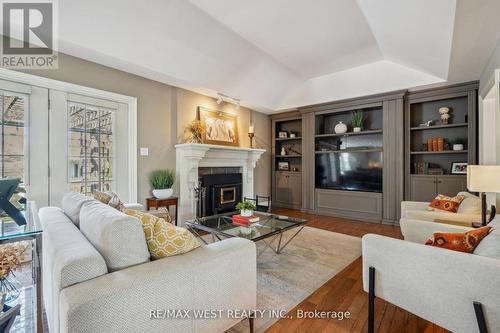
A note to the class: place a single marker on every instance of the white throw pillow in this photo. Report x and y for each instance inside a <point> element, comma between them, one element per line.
<point>490,245</point>
<point>119,238</point>
<point>495,224</point>
<point>72,203</point>
<point>470,205</point>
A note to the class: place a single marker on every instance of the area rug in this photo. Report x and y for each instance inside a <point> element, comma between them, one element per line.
<point>309,261</point>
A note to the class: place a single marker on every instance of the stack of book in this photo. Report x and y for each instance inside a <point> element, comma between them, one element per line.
<point>420,168</point>
<point>244,221</point>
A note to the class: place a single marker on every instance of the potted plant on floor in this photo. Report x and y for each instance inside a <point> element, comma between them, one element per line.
<point>162,182</point>
<point>246,208</point>
<point>357,119</point>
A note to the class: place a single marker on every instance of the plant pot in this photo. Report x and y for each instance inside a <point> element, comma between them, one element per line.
<point>246,212</point>
<point>245,231</point>
<point>163,193</point>
<point>356,129</point>
<point>458,146</point>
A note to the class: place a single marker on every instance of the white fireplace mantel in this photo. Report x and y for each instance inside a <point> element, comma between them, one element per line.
<point>191,156</point>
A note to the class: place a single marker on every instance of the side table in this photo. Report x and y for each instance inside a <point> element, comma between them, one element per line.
<point>157,203</point>
<point>10,232</point>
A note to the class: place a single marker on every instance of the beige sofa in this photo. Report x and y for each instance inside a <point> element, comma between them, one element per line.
<point>436,284</point>
<point>98,277</point>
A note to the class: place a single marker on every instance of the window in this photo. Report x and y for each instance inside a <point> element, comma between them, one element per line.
<point>90,162</point>
<point>12,130</point>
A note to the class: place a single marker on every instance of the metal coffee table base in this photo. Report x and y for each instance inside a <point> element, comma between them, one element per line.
<point>279,247</point>
<point>269,244</point>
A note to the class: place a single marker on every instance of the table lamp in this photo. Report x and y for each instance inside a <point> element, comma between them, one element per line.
<point>483,178</point>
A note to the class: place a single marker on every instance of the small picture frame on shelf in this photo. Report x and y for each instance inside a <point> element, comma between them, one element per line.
<point>284,166</point>
<point>282,135</point>
<point>458,168</point>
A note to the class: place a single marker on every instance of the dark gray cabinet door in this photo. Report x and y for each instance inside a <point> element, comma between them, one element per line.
<point>450,186</point>
<point>423,188</point>
<point>282,189</point>
<point>295,185</point>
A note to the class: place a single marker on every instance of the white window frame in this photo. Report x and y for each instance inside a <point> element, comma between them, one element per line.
<point>131,102</point>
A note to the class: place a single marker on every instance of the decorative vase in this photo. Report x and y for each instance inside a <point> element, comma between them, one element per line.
<point>429,144</point>
<point>434,144</point>
<point>163,193</point>
<point>440,144</point>
<point>11,287</point>
<point>356,129</point>
<point>340,128</point>
<point>444,112</point>
<point>292,135</point>
<point>283,151</point>
<point>458,146</point>
<point>246,212</point>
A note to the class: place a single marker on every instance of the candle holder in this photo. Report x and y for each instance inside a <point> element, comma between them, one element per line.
<point>251,135</point>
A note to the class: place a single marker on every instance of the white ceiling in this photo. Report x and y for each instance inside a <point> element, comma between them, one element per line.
<point>312,38</point>
<point>281,54</point>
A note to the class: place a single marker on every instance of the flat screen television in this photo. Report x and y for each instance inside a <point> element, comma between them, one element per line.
<point>351,171</point>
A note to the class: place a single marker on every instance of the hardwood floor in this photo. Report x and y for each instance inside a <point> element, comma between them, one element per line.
<point>344,292</point>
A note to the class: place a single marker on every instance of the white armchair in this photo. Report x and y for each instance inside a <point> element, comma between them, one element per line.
<point>469,212</point>
<point>455,290</point>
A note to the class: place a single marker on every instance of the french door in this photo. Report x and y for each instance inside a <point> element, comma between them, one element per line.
<point>88,145</point>
<point>24,139</point>
<point>57,141</point>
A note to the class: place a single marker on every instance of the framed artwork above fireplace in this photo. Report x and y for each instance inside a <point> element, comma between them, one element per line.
<point>220,128</point>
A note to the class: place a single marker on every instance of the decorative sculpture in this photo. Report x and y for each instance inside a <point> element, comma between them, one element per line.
<point>8,187</point>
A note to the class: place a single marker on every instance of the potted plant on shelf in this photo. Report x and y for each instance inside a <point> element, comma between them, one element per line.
<point>162,181</point>
<point>246,208</point>
<point>458,143</point>
<point>357,119</point>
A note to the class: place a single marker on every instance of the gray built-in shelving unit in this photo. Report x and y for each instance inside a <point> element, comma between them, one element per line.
<point>287,185</point>
<point>422,106</point>
<point>377,197</point>
<point>392,140</point>
<point>373,192</point>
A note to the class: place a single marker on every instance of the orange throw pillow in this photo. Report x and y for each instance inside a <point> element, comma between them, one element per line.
<point>448,204</point>
<point>463,242</point>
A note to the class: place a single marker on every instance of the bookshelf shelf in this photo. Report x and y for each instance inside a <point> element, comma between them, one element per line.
<point>438,152</point>
<point>369,150</point>
<point>423,128</point>
<point>289,139</point>
<point>367,132</point>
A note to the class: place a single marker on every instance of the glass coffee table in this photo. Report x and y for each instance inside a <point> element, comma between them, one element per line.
<point>269,229</point>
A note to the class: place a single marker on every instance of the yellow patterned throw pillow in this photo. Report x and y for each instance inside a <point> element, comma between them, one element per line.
<point>108,198</point>
<point>163,238</point>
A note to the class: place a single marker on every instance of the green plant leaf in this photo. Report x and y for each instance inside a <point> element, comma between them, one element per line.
<point>246,205</point>
<point>162,179</point>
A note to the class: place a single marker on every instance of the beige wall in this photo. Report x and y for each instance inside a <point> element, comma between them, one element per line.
<point>162,112</point>
<point>187,103</point>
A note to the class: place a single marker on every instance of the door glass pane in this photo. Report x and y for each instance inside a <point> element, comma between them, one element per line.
<point>90,148</point>
<point>12,132</point>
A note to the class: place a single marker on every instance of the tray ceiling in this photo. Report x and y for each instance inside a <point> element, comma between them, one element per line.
<point>280,54</point>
